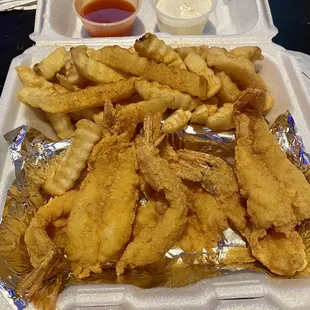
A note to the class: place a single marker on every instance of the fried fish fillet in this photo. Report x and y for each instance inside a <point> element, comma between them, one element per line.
<point>277,193</point>
<point>207,222</point>
<point>151,243</point>
<point>212,219</point>
<point>263,244</point>
<point>238,256</point>
<point>149,213</point>
<point>194,238</point>
<point>220,181</point>
<point>101,221</point>
<point>272,251</point>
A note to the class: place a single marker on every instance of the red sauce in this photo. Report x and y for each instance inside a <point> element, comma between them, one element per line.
<point>107,11</point>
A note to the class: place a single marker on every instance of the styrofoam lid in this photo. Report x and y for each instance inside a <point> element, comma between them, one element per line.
<point>56,22</point>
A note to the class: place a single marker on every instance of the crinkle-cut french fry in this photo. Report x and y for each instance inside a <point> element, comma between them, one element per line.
<point>148,106</point>
<point>89,52</point>
<point>70,167</point>
<point>151,47</point>
<point>176,121</point>
<point>62,124</point>
<point>72,74</point>
<point>60,89</point>
<point>30,78</point>
<point>197,65</point>
<point>269,102</point>
<point>93,96</point>
<point>98,119</point>
<point>94,70</point>
<point>239,68</point>
<point>88,113</point>
<point>229,92</point>
<point>28,93</point>
<point>132,50</point>
<point>202,113</point>
<point>182,80</point>
<point>213,101</point>
<point>223,119</point>
<point>153,106</point>
<point>50,65</point>
<point>134,99</point>
<point>252,53</point>
<point>199,50</point>
<point>63,81</point>
<point>151,90</point>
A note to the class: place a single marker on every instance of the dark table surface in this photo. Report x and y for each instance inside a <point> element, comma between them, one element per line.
<point>291,17</point>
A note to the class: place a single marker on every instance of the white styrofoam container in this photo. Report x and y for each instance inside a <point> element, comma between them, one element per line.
<point>285,79</point>
<point>283,76</point>
<point>57,22</point>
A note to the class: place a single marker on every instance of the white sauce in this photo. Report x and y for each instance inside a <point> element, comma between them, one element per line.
<point>184,8</point>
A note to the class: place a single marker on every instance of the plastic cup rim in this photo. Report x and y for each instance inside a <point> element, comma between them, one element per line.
<point>186,20</point>
<point>133,16</point>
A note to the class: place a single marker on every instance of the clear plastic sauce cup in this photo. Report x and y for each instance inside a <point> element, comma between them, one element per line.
<point>180,25</point>
<point>119,28</point>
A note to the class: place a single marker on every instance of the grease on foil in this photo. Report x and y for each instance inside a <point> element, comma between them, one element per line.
<point>32,155</point>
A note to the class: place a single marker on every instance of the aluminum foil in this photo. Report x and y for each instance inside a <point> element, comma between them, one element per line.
<point>11,297</point>
<point>286,132</point>
<point>32,154</point>
<point>198,138</point>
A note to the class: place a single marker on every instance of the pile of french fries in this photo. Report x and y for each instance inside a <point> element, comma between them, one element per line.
<point>191,84</point>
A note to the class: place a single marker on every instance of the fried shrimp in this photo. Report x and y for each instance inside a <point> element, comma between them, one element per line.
<point>44,253</point>
<point>151,243</point>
